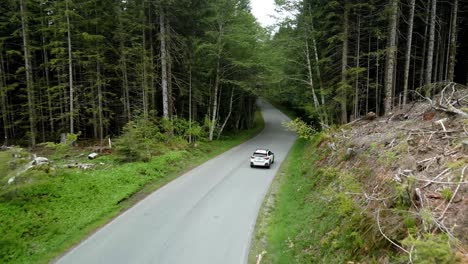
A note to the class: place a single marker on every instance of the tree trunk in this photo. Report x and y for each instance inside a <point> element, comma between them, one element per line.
<point>368,74</point>
<point>311,78</point>
<point>377,90</point>
<point>317,68</point>
<point>126,90</point>
<point>100,100</point>
<point>424,50</point>
<point>62,95</point>
<point>390,60</point>
<point>215,99</point>
<point>45,56</point>
<point>441,48</point>
<point>453,42</point>
<point>217,82</point>
<point>152,87</point>
<point>29,74</point>
<point>190,102</point>
<point>3,100</point>
<point>144,81</point>
<point>408,51</point>
<point>229,114</point>
<point>344,65</point>
<point>94,107</point>
<point>356,88</point>
<point>430,50</point>
<point>41,112</point>
<point>124,70</point>
<point>163,63</point>
<point>169,71</point>
<point>70,71</point>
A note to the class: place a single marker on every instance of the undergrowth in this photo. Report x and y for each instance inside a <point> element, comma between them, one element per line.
<point>45,212</point>
<point>322,214</point>
<point>311,222</point>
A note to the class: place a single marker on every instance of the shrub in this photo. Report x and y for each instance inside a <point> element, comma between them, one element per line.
<point>186,129</point>
<point>301,128</point>
<point>430,248</point>
<point>58,150</point>
<point>446,194</point>
<point>140,140</point>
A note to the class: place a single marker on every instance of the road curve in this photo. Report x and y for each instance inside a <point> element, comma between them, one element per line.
<point>205,216</point>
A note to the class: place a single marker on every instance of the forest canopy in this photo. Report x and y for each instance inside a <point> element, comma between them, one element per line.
<point>338,60</point>
<point>88,67</point>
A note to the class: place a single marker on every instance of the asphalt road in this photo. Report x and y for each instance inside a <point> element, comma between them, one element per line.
<point>205,216</point>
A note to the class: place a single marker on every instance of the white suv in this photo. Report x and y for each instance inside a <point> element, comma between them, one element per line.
<point>262,157</point>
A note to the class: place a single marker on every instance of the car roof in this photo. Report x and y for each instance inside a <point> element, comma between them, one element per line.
<point>261,151</point>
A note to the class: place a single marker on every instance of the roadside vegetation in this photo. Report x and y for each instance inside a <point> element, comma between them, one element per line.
<point>50,207</point>
<point>379,190</point>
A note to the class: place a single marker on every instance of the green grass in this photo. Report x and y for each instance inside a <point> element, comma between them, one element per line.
<point>310,221</point>
<point>52,211</point>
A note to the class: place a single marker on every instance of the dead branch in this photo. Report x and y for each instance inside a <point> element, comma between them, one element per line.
<point>443,228</point>
<point>443,91</point>
<point>410,254</point>
<point>427,160</point>
<point>454,193</point>
<point>444,108</point>
<point>436,177</point>
<point>440,182</point>
<point>260,256</point>
<point>386,237</point>
<point>422,201</point>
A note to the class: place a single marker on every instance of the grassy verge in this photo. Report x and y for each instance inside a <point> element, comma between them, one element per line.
<point>259,240</point>
<point>52,211</point>
<point>308,221</point>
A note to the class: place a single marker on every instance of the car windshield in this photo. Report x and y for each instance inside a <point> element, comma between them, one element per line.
<point>259,154</point>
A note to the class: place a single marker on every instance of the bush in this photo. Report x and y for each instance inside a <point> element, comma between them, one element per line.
<point>185,129</point>
<point>301,128</point>
<point>59,150</point>
<point>140,140</point>
<point>430,249</point>
<point>143,138</point>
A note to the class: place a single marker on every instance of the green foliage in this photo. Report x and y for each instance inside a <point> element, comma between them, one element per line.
<point>301,128</point>
<point>72,137</point>
<point>141,139</point>
<point>185,129</point>
<point>457,164</point>
<point>33,214</point>
<point>446,194</point>
<point>402,192</point>
<point>430,248</point>
<point>312,222</point>
<point>11,161</point>
<point>48,212</point>
<point>114,48</point>
<point>59,150</point>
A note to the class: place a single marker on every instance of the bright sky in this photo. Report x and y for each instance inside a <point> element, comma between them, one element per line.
<point>263,10</point>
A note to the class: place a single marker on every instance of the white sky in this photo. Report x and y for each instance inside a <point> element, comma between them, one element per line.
<point>263,10</point>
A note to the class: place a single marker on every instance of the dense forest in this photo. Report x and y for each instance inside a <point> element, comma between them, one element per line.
<point>87,67</point>
<point>338,60</point>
